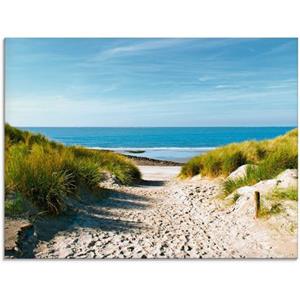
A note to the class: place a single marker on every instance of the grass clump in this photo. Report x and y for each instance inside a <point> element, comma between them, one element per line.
<point>236,196</point>
<point>290,193</point>
<point>15,206</point>
<point>38,176</point>
<point>272,156</point>
<point>124,170</point>
<point>273,203</point>
<point>266,212</point>
<point>282,158</point>
<point>45,173</point>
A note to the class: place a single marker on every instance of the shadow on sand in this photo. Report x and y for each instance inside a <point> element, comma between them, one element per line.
<point>152,183</point>
<point>96,210</point>
<point>92,210</point>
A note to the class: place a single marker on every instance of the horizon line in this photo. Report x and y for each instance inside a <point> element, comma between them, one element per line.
<point>263,126</point>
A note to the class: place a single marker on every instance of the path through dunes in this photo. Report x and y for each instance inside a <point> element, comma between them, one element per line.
<point>161,218</point>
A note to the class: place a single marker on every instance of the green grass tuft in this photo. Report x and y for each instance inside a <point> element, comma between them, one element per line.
<point>236,196</point>
<point>290,193</point>
<point>46,173</point>
<point>272,156</point>
<point>275,200</point>
<point>276,162</point>
<point>275,209</point>
<point>16,206</point>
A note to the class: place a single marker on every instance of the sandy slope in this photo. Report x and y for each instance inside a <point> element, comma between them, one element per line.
<point>162,218</point>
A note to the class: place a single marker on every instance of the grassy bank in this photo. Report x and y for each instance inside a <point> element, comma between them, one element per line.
<point>271,157</point>
<point>44,173</point>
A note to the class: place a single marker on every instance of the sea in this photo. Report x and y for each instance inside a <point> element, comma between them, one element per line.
<point>177,144</point>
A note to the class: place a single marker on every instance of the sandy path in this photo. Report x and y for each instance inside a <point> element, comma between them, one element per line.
<point>163,218</point>
<point>151,173</point>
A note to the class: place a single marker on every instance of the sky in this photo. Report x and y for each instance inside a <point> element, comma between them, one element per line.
<point>151,82</point>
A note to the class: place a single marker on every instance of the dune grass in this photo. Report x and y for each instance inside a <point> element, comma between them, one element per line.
<point>46,173</point>
<point>273,203</point>
<point>16,206</point>
<point>224,160</point>
<point>271,157</point>
<point>282,158</point>
<point>290,193</point>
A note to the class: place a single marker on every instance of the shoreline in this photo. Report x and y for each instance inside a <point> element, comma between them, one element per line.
<point>146,161</point>
<point>159,157</point>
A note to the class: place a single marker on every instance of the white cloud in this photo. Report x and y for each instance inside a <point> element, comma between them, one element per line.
<point>138,47</point>
<point>205,78</point>
<point>226,86</point>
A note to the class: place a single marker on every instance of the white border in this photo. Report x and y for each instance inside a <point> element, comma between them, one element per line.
<point>213,279</point>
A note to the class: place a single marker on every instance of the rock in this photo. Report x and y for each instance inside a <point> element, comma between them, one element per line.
<point>240,172</point>
<point>288,178</point>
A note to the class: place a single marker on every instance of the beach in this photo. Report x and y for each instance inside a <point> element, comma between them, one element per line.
<point>88,203</point>
<point>162,217</point>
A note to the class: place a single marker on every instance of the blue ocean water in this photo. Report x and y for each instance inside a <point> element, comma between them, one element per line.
<point>171,143</point>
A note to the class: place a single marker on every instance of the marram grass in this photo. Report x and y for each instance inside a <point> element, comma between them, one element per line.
<point>271,156</point>
<point>46,173</point>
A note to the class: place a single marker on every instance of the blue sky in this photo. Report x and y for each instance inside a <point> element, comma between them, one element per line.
<point>151,82</point>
